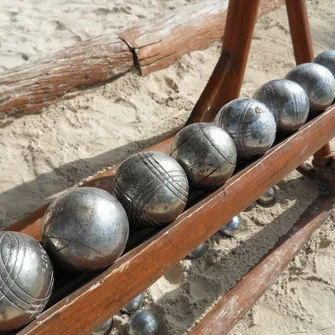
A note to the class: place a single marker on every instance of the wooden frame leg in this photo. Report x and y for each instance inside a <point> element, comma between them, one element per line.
<point>303,52</point>
<point>226,80</point>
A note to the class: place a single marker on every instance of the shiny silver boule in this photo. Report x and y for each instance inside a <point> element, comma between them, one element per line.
<point>152,187</point>
<point>26,280</point>
<point>232,227</point>
<point>251,125</point>
<point>105,328</point>
<point>206,152</point>
<point>144,322</point>
<point>134,305</point>
<point>199,251</point>
<point>287,101</point>
<point>318,83</point>
<point>326,59</point>
<point>85,229</point>
<point>268,198</point>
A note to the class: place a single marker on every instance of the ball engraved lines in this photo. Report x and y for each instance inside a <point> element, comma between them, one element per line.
<point>174,181</point>
<point>10,269</point>
<point>215,148</point>
<point>244,131</point>
<point>287,101</point>
<point>74,240</point>
<point>225,159</point>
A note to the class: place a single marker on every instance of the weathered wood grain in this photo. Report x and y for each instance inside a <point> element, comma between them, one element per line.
<point>161,42</point>
<point>134,272</point>
<point>156,45</point>
<point>33,86</point>
<point>232,307</point>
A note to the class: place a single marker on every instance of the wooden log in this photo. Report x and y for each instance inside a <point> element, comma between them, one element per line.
<point>303,52</point>
<point>232,307</point>
<point>161,42</point>
<point>141,267</point>
<point>36,85</point>
<point>156,44</point>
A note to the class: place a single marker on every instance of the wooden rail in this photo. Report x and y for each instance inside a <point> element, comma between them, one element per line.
<point>141,267</point>
<point>154,46</point>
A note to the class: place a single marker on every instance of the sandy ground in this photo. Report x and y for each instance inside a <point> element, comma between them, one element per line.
<point>42,155</point>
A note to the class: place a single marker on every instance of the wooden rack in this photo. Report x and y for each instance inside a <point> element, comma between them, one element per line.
<point>151,255</point>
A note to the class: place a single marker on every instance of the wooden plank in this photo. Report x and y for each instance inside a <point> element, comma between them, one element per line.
<point>232,307</point>
<point>141,267</point>
<point>161,42</point>
<point>36,85</point>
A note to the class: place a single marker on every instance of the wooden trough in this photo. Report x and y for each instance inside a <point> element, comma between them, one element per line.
<point>80,306</point>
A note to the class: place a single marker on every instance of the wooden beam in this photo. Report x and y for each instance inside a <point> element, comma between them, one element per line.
<point>161,42</point>
<point>226,80</point>
<point>232,307</point>
<point>33,86</point>
<point>141,267</point>
<point>300,31</point>
<point>303,51</point>
<point>237,41</point>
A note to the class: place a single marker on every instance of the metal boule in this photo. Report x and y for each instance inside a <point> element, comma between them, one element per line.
<point>206,152</point>
<point>26,280</point>
<point>231,228</point>
<point>268,198</point>
<point>85,229</point>
<point>144,322</point>
<point>134,304</point>
<point>104,329</point>
<point>288,102</point>
<point>152,187</point>
<point>250,124</point>
<point>318,83</point>
<point>199,251</point>
<point>327,59</point>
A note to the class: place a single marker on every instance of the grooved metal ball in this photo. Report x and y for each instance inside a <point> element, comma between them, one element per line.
<point>318,83</point>
<point>85,229</point>
<point>206,152</point>
<point>152,187</point>
<point>26,280</point>
<point>199,251</point>
<point>104,329</point>
<point>268,198</point>
<point>287,101</point>
<point>327,59</point>
<point>144,322</point>
<point>134,304</point>
<point>232,227</point>
<point>251,125</point>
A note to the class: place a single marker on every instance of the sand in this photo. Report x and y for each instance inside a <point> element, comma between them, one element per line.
<point>45,154</point>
